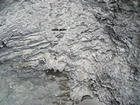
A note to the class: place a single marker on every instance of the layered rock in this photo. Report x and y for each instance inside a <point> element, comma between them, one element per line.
<point>55,51</point>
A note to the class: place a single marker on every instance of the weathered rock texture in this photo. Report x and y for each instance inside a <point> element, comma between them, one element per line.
<point>55,51</point>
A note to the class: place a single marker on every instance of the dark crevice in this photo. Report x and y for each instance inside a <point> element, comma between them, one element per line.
<point>56,73</point>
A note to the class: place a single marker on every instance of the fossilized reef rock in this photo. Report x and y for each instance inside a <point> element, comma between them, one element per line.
<point>55,51</point>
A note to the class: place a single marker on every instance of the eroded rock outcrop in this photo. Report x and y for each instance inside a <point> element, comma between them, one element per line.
<point>55,51</point>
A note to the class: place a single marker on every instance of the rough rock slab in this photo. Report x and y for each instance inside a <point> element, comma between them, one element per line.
<point>55,51</point>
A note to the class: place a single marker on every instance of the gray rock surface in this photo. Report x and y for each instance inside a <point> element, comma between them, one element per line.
<point>52,52</point>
